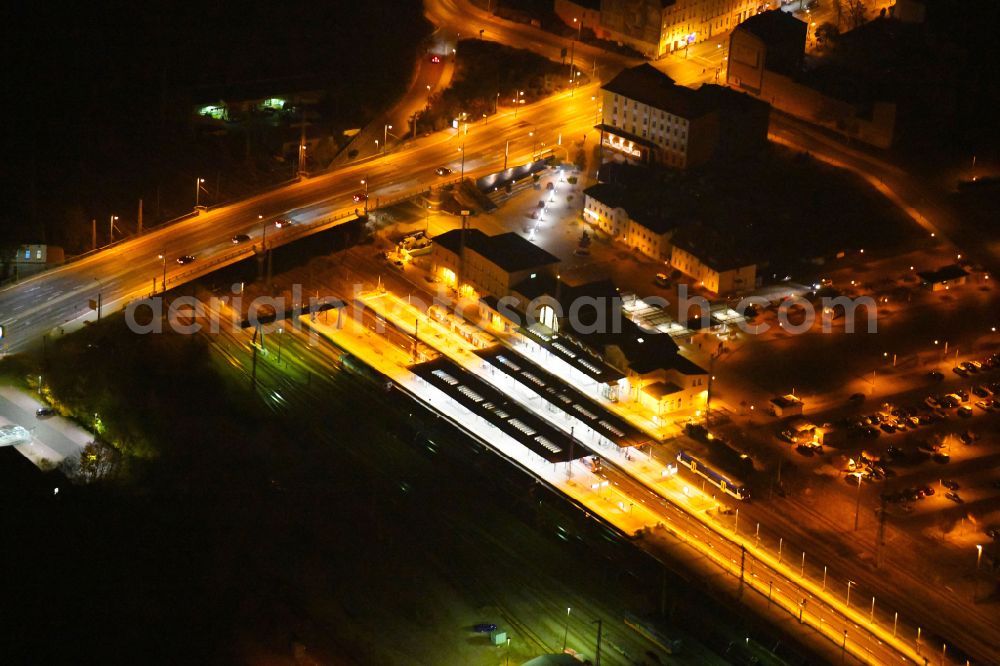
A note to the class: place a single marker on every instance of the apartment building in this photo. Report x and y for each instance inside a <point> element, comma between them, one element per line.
<point>658,27</point>
<point>649,119</point>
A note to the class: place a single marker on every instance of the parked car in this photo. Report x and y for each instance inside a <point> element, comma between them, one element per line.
<point>45,412</point>
<point>894,453</point>
<point>972,366</point>
<point>965,411</point>
<point>985,405</point>
<point>962,394</point>
<point>950,484</point>
<point>954,498</point>
<point>981,391</point>
<point>932,402</point>
<point>935,375</point>
<point>960,371</point>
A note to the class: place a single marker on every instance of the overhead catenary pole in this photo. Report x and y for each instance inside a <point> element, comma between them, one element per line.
<point>138,228</point>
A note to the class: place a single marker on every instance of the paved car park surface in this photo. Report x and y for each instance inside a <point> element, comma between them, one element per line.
<point>54,438</point>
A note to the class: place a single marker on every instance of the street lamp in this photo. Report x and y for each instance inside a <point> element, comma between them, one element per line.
<point>385,137</point>
<point>849,584</point>
<point>111,229</point>
<point>857,506</point>
<point>280,335</point>
<point>163,260</point>
<point>517,101</point>
<point>979,555</point>
<point>566,630</point>
<point>462,150</point>
<point>364,181</point>
<point>197,191</point>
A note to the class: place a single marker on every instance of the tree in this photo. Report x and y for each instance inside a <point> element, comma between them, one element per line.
<point>838,10</point>
<point>857,13</point>
<point>826,35</point>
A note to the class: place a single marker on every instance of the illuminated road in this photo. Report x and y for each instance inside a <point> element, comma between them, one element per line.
<point>58,299</point>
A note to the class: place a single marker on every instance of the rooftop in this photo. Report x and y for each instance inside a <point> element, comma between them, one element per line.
<point>648,85</point>
<point>508,251</point>
<point>950,272</point>
<point>660,390</point>
<point>644,83</point>
<point>712,248</point>
<point>643,204</point>
<point>773,25</point>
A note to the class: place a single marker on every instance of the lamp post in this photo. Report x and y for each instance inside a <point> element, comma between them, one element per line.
<point>280,335</point>
<point>197,191</point>
<point>111,229</point>
<point>979,558</point>
<point>857,505</point>
<point>517,101</point>
<point>364,181</point>
<point>566,630</point>
<point>462,150</point>
<point>163,260</point>
<point>385,137</point>
<point>849,584</point>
